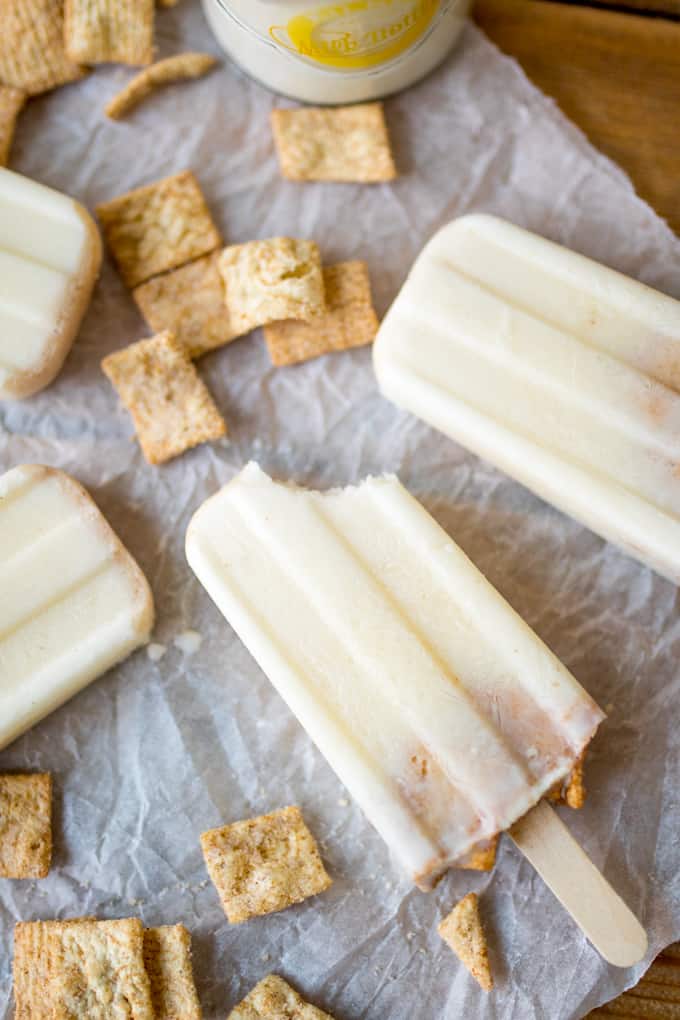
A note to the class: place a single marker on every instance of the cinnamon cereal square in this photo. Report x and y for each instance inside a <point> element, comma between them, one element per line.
<point>11,104</point>
<point>32,53</point>
<point>274,999</point>
<point>167,957</point>
<point>345,143</point>
<point>97,971</point>
<point>109,31</point>
<point>266,281</point>
<point>31,968</point>
<point>158,227</point>
<point>350,320</point>
<point>170,405</point>
<point>25,825</point>
<point>264,864</point>
<point>189,302</point>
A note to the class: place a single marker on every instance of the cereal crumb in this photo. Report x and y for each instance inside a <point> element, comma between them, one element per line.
<point>188,642</point>
<point>156,651</point>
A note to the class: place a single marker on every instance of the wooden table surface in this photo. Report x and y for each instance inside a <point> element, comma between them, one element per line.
<point>614,73</point>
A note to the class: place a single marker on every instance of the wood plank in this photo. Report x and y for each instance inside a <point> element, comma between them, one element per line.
<point>649,6</point>
<point>657,995</point>
<point>620,84</point>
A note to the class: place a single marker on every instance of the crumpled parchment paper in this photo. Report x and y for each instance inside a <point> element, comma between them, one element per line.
<point>154,753</point>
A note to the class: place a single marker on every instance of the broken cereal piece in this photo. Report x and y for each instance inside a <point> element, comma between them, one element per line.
<point>350,320</point>
<point>463,932</point>
<point>347,143</point>
<point>482,857</point>
<point>266,281</point>
<point>31,968</point>
<point>25,825</point>
<point>11,104</point>
<point>165,72</point>
<point>158,227</point>
<point>109,31</point>
<point>97,971</point>
<point>170,405</point>
<point>167,957</point>
<point>32,54</point>
<point>571,790</point>
<point>189,302</point>
<point>575,793</point>
<point>264,864</point>
<point>274,999</point>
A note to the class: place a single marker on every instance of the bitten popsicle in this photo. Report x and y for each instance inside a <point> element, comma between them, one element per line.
<point>558,370</point>
<point>50,254</point>
<point>73,602</point>
<point>440,710</point>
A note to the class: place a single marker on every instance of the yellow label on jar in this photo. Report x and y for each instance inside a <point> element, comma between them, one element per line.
<point>357,35</point>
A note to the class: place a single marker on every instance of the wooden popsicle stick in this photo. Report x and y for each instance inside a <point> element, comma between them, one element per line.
<point>569,873</point>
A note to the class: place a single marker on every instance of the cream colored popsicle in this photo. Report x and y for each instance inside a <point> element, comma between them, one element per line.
<point>439,709</point>
<point>560,371</point>
<point>73,602</point>
<point>50,255</point>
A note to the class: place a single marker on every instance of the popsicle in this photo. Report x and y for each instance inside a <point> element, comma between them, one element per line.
<point>73,602</point>
<point>443,714</point>
<point>50,255</point>
<point>560,371</point>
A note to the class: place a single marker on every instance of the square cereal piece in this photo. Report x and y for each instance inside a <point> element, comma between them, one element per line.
<point>274,999</point>
<point>25,825</point>
<point>189,302</point>
<point>97,971</point>
<point>266,281</point>
<point>109,31</point>
<point>349,322</point>
<point>11,104</point>
<point>31,969</point>
<point>347,143</point>
<point>158,227</point>
<point>167,957</point>
<point>32,54</point>
<point>264,864</point>
<point>170,405</point>
<point>462,931</point>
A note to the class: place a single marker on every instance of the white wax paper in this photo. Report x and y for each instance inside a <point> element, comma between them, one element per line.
<point>155,752</point>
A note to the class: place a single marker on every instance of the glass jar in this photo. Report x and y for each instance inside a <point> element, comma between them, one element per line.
<point>343,52</point>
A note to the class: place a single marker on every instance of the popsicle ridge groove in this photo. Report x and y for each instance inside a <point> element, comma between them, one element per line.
<point>599,305</point>
<point>552,322</point>
<point>655,464</point>
<point>25,314</point>
<point>650,390</point>
<point>34,474</point>
<point>36,547</point>
<point>58,597</point>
